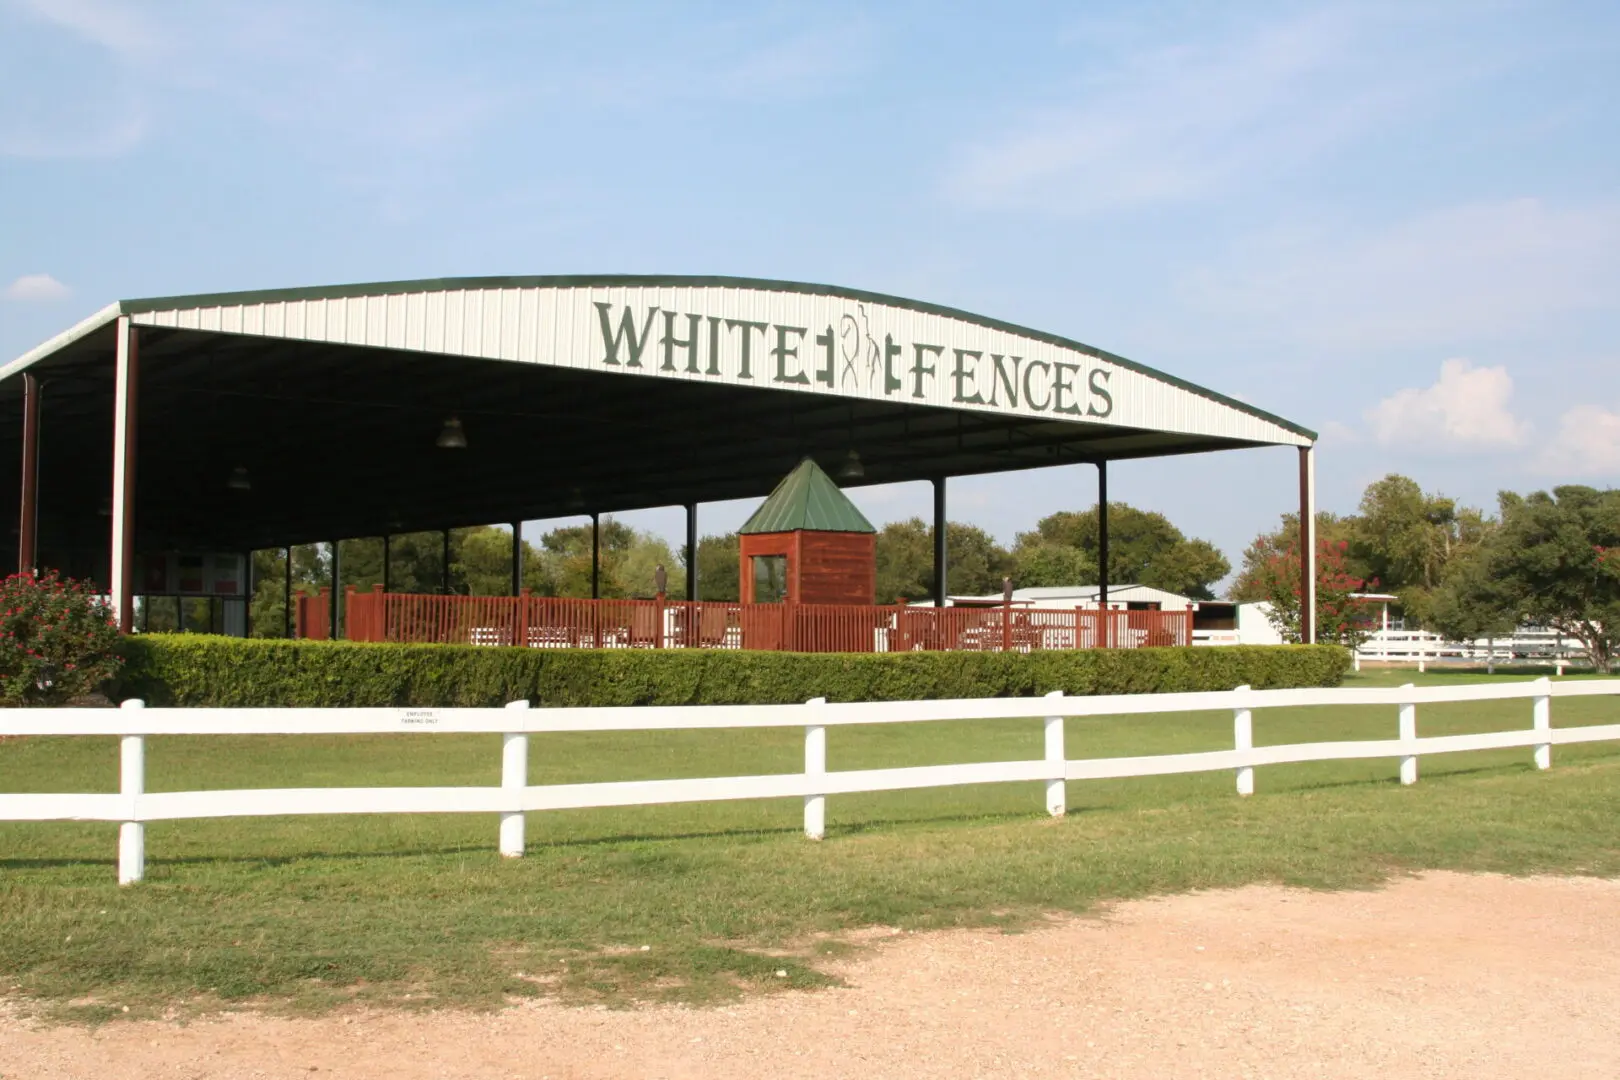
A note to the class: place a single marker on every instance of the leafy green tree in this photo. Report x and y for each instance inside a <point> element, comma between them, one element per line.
<point>1555,561</point>
<point>481,563</point>
<point>1045,563</point>
<point>1144,548</point>
<point>1470,604</point>
<point>905,561</point>
<point>567,553</point>
<point>268,610</point>
<point>415,562</point>
<point>718,567</point>
<point>628,560</point>
<point>1404,538</point>
<point>636,573</point>
<point>974,563</point>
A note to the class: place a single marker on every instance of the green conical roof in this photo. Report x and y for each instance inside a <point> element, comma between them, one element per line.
<point>807,499</point>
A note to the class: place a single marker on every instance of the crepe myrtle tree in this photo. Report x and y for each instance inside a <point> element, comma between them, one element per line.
<point>1339,615</point>
<point>57,639</point>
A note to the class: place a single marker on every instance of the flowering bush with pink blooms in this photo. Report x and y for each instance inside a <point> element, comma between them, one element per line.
<point>57,640</point>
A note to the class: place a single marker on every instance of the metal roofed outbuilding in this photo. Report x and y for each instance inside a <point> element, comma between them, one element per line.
<point>580,394</point>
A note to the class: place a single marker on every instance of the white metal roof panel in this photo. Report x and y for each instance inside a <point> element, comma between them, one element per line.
<point>782,335</point>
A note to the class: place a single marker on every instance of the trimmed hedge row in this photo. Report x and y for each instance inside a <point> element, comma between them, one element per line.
<point>207,670</point>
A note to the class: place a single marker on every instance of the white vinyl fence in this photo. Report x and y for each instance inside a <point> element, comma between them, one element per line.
<point>133,805</point>
<point>1423,647</point>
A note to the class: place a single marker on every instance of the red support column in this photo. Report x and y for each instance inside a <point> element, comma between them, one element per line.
<point>28,525</point>
<point>1102,552</point>
<point>125,383</point>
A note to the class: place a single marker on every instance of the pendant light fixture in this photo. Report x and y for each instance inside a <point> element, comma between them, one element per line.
<point>852,469</point>
<point>451,436</point>
<point>239,480</point>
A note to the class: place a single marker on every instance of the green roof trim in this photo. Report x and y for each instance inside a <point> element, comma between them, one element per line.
<point>807,500</point>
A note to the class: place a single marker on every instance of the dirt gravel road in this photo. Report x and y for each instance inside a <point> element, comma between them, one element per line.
<point>1440,976</point>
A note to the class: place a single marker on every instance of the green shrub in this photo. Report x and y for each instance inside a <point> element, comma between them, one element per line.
<point>200,670</point>
<point>56,640</point>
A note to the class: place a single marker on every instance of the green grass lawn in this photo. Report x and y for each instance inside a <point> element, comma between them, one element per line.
<point>419,910</point>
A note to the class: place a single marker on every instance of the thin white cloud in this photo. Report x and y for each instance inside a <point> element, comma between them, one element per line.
<point>800,64</point>
<point>112,25</point>
<point>749,57</point>
<point>1338,433</point>
<point>1470,272</point>
<point>350,89</point>
<point>1467,408</point>
<point>60,130</point>
<point>71,89</point>
<point>36,288</point>
<point>1179,123</point>
<point>1587,444</point>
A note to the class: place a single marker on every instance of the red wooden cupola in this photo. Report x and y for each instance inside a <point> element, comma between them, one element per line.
<point>808,544</point>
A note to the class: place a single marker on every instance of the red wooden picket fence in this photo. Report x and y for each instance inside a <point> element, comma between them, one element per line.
<point>550,622</point>
<point>312,615</point>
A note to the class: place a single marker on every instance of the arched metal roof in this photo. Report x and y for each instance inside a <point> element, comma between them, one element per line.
<point>608,392</point>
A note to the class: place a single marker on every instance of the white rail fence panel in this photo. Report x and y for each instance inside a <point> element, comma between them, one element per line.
<point>1528,645</point>
<point>133,806</point>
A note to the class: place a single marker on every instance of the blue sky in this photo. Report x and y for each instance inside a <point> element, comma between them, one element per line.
<point>1398,224</point>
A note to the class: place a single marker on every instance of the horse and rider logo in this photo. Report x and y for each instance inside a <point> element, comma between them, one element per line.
<point>859,348</point>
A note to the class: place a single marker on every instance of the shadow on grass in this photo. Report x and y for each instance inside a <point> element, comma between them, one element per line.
<point>289,858</point>
<point>858,828</point>
<point>834,829</point>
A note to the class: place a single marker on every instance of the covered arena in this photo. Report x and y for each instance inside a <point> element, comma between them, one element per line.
<point>161,437</point>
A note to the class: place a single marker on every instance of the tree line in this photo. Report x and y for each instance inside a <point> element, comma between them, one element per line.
<point>1144,548</point>
<point>1549,558</point>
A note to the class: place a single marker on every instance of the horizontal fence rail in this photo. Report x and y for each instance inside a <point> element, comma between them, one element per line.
<point>132,806</point>
<point>551,622</point>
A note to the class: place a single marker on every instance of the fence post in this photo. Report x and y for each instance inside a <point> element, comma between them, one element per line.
<point>131,785</point>
<point>1057,797</point>
<point>1408,734</point>
<point>815,767</point>
<point>514,778</point>
<point>1243,736</point>
<point>1542,711</point>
